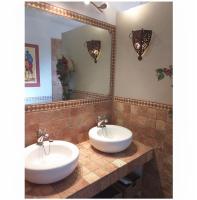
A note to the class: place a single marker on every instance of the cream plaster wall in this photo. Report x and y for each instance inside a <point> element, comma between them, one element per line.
<point>137,79</point>
<point>89,76</point>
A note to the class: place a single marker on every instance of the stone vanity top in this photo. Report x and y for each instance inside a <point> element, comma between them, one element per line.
<point>95,172</point>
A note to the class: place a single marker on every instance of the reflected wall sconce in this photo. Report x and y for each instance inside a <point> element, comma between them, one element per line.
<point>94,49</point>
<point>141,39</point>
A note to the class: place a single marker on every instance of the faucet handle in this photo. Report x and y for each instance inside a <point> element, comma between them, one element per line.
<point>106,120</point>
<point>39,132</point>
<point>99,118</point>
<point>46,135</point>
<point>45,131</point>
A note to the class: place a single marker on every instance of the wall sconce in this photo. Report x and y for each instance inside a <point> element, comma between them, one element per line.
<point>141,39</point>
<point>101,7</point>
<point>94,48</point>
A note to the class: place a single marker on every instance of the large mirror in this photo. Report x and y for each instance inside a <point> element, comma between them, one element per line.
<point>58,61</point>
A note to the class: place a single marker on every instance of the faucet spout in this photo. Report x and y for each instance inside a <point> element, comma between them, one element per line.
<point>101,121</point>
<point>42,136</point>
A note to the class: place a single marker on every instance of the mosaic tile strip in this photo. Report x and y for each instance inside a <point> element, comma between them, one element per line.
<point>39,99</point>
<point>137,102</point>
<point>86,94</point>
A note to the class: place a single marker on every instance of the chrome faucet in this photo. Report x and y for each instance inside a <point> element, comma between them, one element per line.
<point>101,121</point>
<point>42,136</point>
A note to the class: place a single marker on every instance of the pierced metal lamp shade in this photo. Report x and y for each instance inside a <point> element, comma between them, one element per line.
<point>94,48</point>
<point>141,39</point>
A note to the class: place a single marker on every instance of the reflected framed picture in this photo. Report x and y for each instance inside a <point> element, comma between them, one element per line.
<point>32,69</point>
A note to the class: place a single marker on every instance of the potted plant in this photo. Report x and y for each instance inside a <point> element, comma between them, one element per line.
<point>64,70</point>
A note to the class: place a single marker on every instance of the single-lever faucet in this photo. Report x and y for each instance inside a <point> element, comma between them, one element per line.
<point>101,121</point>
<point>42,136</point>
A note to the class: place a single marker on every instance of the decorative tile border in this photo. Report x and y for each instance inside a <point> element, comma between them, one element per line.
<point>87,20</point>
<point>39,99</point>
<point>64,104</point>
<point>70,14</point>
<point>88,94</point>
<point>137,102</point>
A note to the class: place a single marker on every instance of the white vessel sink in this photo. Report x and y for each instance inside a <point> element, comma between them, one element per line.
<point>58,164</point>
<point>110,139</point>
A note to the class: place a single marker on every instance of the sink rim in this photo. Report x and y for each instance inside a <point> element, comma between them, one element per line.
<point>34,147</point>
<point>94,135</point>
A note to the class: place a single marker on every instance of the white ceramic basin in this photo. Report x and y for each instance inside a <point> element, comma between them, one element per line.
<point>110,139</point>
<point>59,163</point>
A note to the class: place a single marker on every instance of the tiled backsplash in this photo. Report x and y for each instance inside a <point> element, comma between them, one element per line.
<point>70,123</point>
<point>151,125</point>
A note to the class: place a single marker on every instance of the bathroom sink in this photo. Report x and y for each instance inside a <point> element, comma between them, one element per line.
<point>44,165</point>
<point>110,139</point>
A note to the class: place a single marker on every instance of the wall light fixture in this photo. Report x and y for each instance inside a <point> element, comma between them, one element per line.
<point>94,48</point>
<point>141,39</point>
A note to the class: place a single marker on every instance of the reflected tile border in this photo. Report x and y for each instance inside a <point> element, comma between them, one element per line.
<point>64,104</point>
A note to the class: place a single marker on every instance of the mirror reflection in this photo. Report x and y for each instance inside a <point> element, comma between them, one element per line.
<point>64,59</point>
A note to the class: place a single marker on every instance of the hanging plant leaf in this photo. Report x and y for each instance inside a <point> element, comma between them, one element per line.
<point>159,70</point>
<point>160,76</point>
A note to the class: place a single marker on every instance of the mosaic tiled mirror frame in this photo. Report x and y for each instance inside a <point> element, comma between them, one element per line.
<point>87,20</point>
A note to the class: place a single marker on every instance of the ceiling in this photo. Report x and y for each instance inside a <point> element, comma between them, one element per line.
<point>46,17</point>
<point>108,15</point>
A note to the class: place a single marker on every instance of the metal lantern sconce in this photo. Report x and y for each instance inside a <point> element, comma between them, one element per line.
<point>141,39</point>
<point>94,48</point>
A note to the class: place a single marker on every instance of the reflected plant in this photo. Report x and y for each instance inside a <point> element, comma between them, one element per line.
<point>64,70</point>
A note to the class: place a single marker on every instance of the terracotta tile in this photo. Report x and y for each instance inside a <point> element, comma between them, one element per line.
<point>142,110</point>
<point>91,177</point>
<point>102,107</point>
<point>162,115</point>
<point>31,134</point>
<point>150,123</point>
<point>119,163</point>
<point>151,113</point>
<point>106,173</point>
<point>120,121</point>
<point>160,125</point>
<point>134,109</point>
<point>92,166</point>
<point>100,172</point>
<point>84,161</point>
<point>94,157</point>
<point>42,191</point>
<point>86,145</point>
<point>84,171</point>
<point>105,182</point>
<point>169,117</point>
<point>101,162</point>
<point>141,121</point>
<point>80,185</point>
<point>120,107</point>
<point>110,167</point>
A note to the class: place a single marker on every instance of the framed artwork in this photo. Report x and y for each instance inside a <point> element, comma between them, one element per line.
<point>32,70</point>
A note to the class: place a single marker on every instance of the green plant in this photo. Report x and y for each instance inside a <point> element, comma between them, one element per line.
<point>64,72</point>
<point>162,72</point>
